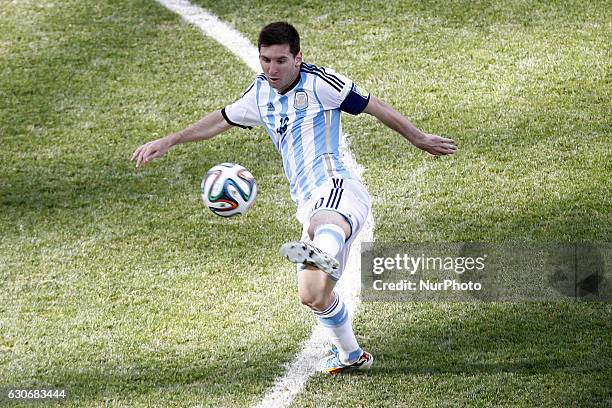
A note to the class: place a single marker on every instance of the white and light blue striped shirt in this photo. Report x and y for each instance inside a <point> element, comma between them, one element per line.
<point>303,122</point>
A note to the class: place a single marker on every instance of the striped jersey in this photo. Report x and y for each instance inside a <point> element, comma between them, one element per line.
<point>303,122</point>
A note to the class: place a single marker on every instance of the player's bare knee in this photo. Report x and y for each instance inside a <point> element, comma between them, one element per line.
<point>307,298</point>
<point>313,301</point>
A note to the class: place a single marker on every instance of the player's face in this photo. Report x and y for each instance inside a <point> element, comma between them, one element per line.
<point>279,65</point>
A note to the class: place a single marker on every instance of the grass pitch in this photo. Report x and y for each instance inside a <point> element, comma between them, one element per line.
<point>118,286</point>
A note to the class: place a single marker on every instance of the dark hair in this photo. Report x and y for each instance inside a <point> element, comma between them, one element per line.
<point>279,32</point>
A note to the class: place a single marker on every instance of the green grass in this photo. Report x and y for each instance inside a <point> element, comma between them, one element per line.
<point>120,287</point>
<point>117,284</point>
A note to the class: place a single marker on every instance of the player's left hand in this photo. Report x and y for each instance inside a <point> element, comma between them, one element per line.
<point>436,145</point>
<point>149,151</point>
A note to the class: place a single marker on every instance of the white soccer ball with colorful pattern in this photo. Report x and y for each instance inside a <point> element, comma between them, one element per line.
<point>228,189</point>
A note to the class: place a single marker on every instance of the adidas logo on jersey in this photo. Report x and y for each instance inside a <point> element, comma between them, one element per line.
<point>270,107</point>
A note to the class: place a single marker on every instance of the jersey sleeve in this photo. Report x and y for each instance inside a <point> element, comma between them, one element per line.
<point>338,91</point>
<point>244,112</point>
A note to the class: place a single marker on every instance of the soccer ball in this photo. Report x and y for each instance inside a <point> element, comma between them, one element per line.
<point>228,189</point>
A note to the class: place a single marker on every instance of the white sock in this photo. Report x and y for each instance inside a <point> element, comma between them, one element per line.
<point>329,238</point>
<point>338,327</point>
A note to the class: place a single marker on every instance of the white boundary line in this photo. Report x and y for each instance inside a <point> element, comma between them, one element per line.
<point>216,29</point>
<point>305,364</point>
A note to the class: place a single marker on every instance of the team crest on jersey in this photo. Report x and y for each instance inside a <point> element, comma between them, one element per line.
<point>300,101</point>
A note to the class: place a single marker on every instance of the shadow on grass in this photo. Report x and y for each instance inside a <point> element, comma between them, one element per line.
<point>527,337</point>
<point>530,339</point>
<point>168,378</point>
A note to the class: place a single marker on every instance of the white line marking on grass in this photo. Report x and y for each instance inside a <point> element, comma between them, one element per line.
<point>210,25</point>
<point>306,363</point>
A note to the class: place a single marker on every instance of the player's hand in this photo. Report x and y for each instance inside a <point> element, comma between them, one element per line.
<point>149,151</point>
<point>436,145</point>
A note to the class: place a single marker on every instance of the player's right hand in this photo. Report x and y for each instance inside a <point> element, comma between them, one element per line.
<point>149,151</point>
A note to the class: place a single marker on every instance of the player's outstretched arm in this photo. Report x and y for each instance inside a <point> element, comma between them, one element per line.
<point>209,126</point>
<point>432,144</point>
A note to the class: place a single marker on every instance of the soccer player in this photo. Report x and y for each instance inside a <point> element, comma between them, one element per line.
<point>300,105</point>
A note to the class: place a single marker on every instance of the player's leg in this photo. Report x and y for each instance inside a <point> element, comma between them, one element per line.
<point>335,216</point>
<point>328,231</point>
<point>315,289</point>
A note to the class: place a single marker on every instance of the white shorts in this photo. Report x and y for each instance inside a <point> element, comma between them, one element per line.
<point>347,197</point>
